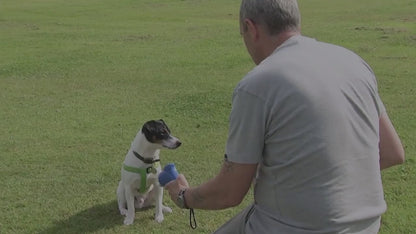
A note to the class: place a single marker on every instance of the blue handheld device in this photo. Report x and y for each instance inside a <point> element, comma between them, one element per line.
<point>168,174</point>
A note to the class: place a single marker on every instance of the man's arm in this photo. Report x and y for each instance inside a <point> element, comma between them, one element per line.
<point>391,149</point>
<point>225,190</point>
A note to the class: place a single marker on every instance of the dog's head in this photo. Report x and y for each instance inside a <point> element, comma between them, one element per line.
<point>157,132</point>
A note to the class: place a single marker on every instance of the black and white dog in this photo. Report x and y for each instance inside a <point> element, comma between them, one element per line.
<point>139,186</point>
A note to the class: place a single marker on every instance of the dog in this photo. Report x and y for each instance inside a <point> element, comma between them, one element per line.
<point>139,186</point>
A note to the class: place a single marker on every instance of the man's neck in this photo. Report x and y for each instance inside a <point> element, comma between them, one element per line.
<point>272,42</point>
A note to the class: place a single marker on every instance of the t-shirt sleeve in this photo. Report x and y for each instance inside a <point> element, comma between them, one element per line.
<point>380,105</point>
<point>376,96</point>
<point>246,134</point>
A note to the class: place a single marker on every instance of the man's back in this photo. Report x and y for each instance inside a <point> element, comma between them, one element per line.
<point>320,166</point>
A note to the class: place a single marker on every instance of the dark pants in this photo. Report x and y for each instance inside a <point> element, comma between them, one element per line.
<point>237,224</point>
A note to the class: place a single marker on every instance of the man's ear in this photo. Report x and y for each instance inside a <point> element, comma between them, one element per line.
<point>252,29</point>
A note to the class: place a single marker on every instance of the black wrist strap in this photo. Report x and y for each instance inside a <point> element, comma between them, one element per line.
<point>192,220</point>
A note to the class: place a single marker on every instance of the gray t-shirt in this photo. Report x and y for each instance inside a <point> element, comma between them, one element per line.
<point>309,115</point>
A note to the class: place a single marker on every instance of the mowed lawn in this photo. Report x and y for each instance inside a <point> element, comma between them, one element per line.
<point>79,78</point>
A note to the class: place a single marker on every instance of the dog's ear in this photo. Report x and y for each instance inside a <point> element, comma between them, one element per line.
<point>148,129</point>
<point>164,124</point>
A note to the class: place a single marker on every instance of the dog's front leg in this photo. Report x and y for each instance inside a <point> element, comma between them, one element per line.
<point>121,198</point>
<point>130,206</point>
<point>159,206</point>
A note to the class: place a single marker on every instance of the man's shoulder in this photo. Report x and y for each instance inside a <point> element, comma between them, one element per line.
<point>257,79</point>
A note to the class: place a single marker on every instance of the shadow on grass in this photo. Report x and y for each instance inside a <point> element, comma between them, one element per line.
<point>103,216</point>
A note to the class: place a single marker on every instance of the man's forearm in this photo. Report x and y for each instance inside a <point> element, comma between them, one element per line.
<point>225,190</point>
<point>206,197</point>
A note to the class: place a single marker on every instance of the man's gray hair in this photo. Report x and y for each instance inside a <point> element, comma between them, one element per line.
<point>276,15</point>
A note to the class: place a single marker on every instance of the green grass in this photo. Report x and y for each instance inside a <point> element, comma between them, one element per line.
<point>78,78</point>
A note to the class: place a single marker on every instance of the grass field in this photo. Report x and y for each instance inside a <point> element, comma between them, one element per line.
<point>78,78</point>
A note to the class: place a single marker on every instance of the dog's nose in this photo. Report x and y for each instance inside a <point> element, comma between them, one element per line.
<point>178,144</point>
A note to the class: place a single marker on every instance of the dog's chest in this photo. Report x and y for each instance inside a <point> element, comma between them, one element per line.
<point>141,179</point>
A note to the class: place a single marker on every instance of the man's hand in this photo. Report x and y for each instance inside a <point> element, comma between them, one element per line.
<point>175,186</point>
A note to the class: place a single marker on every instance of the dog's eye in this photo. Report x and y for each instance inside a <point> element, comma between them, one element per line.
<point>164,135</point>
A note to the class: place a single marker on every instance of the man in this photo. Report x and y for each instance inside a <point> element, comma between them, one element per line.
<point>309,117</point>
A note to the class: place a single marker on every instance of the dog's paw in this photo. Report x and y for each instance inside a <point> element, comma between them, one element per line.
<point>123,212</point>
<point>166,209</point>
<point>128,221</point>
<point>159,218</point>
